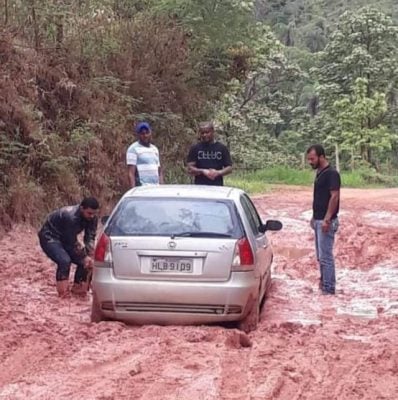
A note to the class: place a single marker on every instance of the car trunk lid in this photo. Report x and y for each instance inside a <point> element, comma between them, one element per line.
<point>180,258</point>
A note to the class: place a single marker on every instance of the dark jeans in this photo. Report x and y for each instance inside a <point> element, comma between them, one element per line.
<point>324,250</point>
<point>63,257</point>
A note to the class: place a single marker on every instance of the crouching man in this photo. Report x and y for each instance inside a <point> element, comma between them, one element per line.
<point>58,239</point>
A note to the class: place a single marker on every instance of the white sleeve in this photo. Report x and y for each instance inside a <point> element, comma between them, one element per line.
<point>131,157</point>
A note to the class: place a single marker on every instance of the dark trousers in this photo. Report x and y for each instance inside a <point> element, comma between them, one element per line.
<point>63,257</point>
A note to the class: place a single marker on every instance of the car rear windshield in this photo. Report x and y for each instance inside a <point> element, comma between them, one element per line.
<point>173,217</point>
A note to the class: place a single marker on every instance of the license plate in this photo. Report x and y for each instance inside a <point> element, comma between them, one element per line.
<point>172,265</point>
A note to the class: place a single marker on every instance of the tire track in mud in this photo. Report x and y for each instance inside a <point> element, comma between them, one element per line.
<point>314,367</point>
<point>188,368</point>
<point>234,367</point>
<point>15,364</point>
<point>272,376</point>
<point>90,383</point>
<point>96,369</point>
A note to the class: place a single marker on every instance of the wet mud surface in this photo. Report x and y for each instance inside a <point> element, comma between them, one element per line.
<point>307,346</point>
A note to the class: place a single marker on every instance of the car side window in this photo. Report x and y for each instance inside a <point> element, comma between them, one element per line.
<point>254,212</point>
<point>251,214</point>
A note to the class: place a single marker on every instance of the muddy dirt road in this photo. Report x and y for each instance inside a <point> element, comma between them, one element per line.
<point>308,346</point>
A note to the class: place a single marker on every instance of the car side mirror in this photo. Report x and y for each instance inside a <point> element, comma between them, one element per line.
<point>271,225</point>
<point>104,219</point>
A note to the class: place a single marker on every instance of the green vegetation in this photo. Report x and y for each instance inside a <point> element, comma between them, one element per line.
<point>365,178</point>
<point>276,76</point>
<point>260,181</point>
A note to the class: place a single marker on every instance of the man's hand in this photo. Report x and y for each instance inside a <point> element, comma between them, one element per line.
<point>206,172</point>
<point>88,262</point>
<point>79,249</point>
<point>312,223</point>
<point>213,174</point>
<point>325,225</point>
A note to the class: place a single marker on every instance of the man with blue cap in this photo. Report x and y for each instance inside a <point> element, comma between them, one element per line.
<point>143,159</point>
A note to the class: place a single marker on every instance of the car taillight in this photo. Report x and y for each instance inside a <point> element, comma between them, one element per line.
<point>243,257</point>
<point>102,249</point>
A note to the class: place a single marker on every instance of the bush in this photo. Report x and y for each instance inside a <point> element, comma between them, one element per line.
<point>67,116</point>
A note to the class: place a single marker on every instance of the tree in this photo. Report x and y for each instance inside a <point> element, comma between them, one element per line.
<point>359,122</point>
<point>357,72</point>
<point>216,24</point>
<point>254,110</point>
<point>217,31</point>
<point>364,45</point>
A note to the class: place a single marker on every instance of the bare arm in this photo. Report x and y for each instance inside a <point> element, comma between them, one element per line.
<point>213,174</point>
<point>161,176</point>
<point>332,207</point>
<point>193,170</point>
<point>333,203</point>
<point>227,163</point>
<point>225,171</point>
<point>132,169</point>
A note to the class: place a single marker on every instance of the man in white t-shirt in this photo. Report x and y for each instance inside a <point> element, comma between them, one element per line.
<point>143,159</point>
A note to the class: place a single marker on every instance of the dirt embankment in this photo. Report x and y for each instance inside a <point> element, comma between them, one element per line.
<point>307,346</point>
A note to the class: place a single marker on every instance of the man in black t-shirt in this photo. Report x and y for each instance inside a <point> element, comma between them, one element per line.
<point>324,221</point>
<point>209,160</point>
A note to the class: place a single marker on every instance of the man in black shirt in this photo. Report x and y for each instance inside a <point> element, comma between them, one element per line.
<point>209,160</point>
<point>58,239</point>
<point>325,215</point>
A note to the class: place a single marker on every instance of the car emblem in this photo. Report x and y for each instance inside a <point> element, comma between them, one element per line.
<point>172,245</point>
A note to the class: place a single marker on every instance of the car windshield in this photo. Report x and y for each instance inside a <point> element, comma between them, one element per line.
<point>173,217</point>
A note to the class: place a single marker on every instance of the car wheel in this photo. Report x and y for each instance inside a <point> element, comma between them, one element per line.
<point>96,315</point>
<point>250,321</point>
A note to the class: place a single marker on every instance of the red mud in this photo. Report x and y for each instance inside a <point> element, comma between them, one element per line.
<point>307,346</point>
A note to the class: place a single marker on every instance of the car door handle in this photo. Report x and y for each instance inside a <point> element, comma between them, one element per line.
<point>264,246</point>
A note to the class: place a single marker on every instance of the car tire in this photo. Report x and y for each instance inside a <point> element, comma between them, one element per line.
<point>96,314</point>
<point>250,322</point>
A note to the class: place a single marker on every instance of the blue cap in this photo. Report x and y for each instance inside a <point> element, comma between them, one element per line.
<point>141,126</point>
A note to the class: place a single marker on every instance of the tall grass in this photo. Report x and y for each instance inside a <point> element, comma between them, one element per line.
<point>261,181</point>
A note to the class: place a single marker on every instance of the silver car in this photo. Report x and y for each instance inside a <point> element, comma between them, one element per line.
<point>183,254</point>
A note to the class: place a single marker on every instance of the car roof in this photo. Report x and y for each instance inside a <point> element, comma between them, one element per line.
<point>190,191</point>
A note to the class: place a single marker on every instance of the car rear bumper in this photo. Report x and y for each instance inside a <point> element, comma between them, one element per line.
<point>173,302</point>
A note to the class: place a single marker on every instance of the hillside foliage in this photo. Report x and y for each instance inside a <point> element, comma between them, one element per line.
<point>276,76</point>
